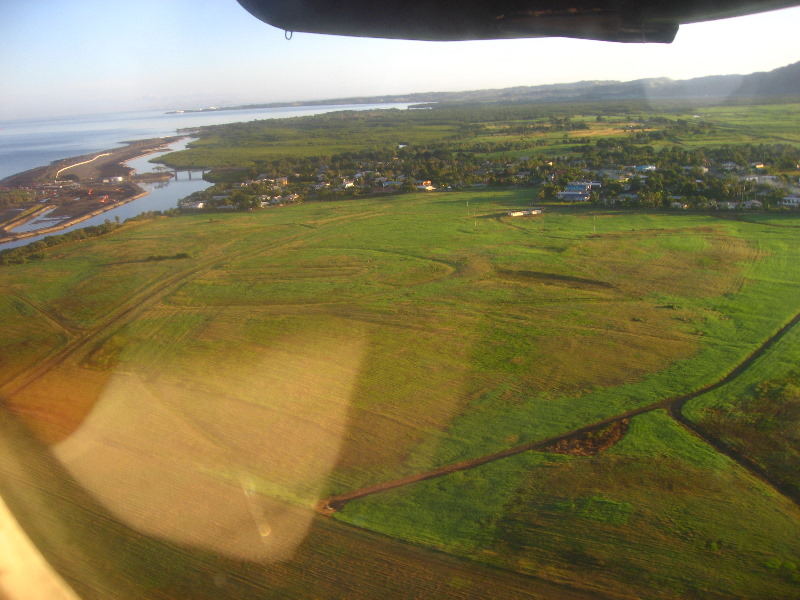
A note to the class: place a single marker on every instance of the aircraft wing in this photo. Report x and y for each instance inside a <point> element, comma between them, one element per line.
<point>444,20</point>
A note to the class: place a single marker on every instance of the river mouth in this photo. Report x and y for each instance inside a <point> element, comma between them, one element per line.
<point>161,193</point>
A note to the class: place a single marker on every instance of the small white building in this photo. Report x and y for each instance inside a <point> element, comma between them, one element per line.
<point>751,204</point>
<point>525,212</point>
<point>193,205</point>
<point>792,201</point>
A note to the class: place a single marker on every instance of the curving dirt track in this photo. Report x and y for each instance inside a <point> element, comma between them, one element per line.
<point>330,505</point>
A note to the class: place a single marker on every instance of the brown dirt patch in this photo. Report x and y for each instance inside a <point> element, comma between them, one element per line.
<point>590,443</point>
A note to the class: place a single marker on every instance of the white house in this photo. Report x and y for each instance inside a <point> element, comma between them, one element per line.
<point>792,200</point>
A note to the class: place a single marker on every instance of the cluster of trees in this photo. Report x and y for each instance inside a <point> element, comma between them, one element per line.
<point>33,251</point>
<point>12,197</point>
<point>445,166</point>
<point>624,151</point>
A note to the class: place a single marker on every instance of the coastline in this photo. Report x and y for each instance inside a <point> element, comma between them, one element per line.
<point>105,163</point>
<point>87,166</point>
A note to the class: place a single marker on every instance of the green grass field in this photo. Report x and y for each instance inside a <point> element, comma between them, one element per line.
<point>319,348</point>
<point>494,131</point>
<point>659,511</point>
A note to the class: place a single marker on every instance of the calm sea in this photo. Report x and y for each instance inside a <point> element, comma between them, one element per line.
<point>25,144</point>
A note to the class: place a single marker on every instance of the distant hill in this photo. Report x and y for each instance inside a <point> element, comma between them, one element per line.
<point>783,82</point>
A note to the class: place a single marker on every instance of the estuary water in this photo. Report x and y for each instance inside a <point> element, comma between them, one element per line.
<point>26,144</point>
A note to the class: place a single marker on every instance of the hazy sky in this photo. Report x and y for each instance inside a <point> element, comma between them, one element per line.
<point>61,57</point>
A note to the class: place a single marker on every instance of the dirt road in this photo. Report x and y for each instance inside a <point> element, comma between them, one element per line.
<point>330,505</point>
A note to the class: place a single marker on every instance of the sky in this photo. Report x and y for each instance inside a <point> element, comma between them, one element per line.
<point>62,57</point>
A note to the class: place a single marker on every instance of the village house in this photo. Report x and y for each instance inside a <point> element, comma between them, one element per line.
<point>751,204</point>
<point>792,201</point>
<point>576,191</point>
<point>727,205</point>
<point>193,205</point>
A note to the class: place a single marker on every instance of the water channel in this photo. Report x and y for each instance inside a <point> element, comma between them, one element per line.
<point>161,195</point>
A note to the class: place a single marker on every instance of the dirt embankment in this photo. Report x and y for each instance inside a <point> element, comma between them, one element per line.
<point>590,443</point>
